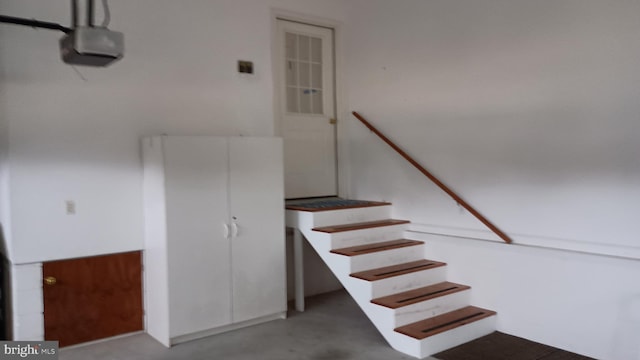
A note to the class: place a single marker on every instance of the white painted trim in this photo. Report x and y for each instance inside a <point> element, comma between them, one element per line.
<point>200,334</point>
<point>340,93</point>
<point>26,318</point>
<point>454,231</point>
<point>342,112</point>
<point>99,341</point>
<point>418,231</point>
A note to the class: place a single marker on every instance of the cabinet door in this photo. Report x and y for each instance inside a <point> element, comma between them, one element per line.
<point>196,178</point>
<point>257,208</point>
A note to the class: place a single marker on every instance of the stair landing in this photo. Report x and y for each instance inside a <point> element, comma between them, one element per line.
<point>330,204</point>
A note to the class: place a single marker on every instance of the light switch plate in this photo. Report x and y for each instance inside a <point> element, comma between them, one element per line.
<point>70,206</point>
<point>245,67</point>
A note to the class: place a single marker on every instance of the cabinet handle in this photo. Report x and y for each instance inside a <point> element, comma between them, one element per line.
<point>226,230</point>
<point>234,230</point>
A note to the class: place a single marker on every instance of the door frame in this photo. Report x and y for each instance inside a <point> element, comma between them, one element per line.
<point>340,106</point>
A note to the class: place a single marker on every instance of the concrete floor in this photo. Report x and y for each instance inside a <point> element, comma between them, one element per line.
<point>332,328</point>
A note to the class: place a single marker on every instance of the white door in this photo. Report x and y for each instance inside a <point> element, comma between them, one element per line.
<point>196,180</point>
<point>306,84</point>
<point>257,214</point>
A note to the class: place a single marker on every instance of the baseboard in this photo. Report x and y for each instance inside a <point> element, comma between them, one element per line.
<point>101,340</point>
<point>209,332</point>
<point>612,250</point>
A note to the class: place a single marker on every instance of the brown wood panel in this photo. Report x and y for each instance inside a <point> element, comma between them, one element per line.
<point>361,205</point>
<point>421,294</point>
<point>441,323</point>
<point>92,298</point>
<point>360,226</point>
<point>397,270</point>
<point>376,247</point>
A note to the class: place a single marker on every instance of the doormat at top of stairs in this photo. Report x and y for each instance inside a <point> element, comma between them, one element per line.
<point>331,204</point>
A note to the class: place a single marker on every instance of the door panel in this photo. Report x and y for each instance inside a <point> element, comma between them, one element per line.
<point>259,273</point>
<point>92,298</point>
<point>306,83</point>
<point>199,253</point>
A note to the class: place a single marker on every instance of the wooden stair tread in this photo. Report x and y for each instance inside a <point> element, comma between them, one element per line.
<point>376,247</point>
<point>359,226</point>
<point>397,270</point>
<point>421,294</point>
<point>359,204</point>
<point>441,323</point>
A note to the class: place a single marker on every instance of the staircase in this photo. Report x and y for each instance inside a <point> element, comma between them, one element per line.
<point>405,295</point>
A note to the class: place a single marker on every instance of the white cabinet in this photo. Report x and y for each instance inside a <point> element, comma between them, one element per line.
<point>214,233</point>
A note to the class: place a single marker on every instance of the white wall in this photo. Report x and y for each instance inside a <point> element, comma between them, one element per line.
<point>527,108</point>
<point>75,139</point>
<point>583,303</point>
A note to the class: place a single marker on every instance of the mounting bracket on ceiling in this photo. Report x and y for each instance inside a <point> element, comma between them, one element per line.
<point>82,45</point>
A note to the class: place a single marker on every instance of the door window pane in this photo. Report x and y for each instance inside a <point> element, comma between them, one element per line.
<point>316,76</point>
<point>303,48</point>
<point>292,73</point>
<point>305,101</point>
<point>292,99</point>
<point>316,49</point>
<point>316,100</point>
<point>305,75</point>
<point>291,45</point>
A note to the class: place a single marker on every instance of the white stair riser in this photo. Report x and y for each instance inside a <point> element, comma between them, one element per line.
<point>351,216</point>
<point>430,308</point>
<point>386,258</point>
<point>414,280</point>
<point>366,236</point>
<point>321,242</point>
<point>297,219</point>
<point>340,265</point>
<point>454,337</point>
<point>403,343</point>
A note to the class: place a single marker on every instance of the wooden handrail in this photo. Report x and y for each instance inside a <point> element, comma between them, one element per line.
<point>435,180</point>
